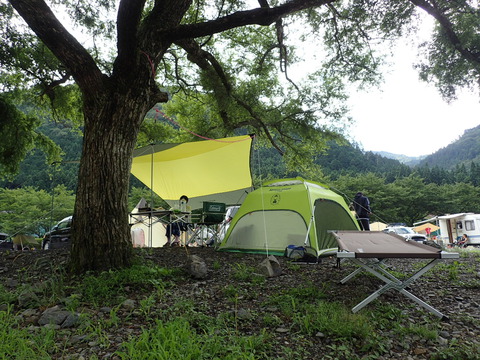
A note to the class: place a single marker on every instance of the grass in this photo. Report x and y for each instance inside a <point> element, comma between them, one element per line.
<point>109,288</point>
<point>18,343</point>
<point>187,328</point>
<point>177,340</point>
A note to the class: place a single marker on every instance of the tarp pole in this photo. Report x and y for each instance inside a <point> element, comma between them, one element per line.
<point>150,220</point>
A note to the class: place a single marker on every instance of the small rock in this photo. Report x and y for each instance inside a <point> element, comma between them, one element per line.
<point>77,339</point>
<point>129,304</point>
<point>197,267</point>
<point>270,267</point>
<point>11,283</point>
<point>444,334</point>
<point>29,312</point>
<point>442,341</point>
<point>282,330</point>
<point>243,314</point>
<point>58,317</point>
<point>27,298</point>
<point>320,334</point>
<point>419,351</point>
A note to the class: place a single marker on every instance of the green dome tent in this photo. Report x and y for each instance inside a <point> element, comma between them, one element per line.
<point>288,212</point>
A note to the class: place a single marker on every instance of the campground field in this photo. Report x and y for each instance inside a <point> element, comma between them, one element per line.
<point>155,310</point>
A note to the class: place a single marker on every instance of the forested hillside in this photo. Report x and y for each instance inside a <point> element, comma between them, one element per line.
<point>398,193</point>
<point>458,162</point>
<point>37,173</point>
<point>463,151</point>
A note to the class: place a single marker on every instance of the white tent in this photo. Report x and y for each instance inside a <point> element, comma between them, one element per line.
<point>146,231</point>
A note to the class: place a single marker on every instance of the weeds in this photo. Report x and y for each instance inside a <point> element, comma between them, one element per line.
<point>6,297</point>
<point>332,319</point>
<point>243,272</point>
<point>423,331</point>
<point>109,288</point>
<point>17,343</point>
<point>176,339</point>
<point>457,351</point>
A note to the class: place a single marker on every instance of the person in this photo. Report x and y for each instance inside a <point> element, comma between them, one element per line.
<point>175,228</point>
<point>463,241</point>
<point>361,205</point>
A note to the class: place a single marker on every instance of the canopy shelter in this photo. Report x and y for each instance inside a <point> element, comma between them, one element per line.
<point>423,228</point>
<point>377,226</point>
<point>210,170</point>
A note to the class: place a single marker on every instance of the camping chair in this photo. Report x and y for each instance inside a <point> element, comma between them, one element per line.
<point>206,229</point>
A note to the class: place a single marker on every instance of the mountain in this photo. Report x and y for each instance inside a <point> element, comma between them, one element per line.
<point>339,160</point>
<point>465,150</point>
<point>404,159</point>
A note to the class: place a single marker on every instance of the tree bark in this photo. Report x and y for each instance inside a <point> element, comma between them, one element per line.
<point>101,234</point>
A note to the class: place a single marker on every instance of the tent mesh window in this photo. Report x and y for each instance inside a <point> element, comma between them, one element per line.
<point>268,230</point>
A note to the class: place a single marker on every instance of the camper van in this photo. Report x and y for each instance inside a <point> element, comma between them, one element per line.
<point>453,226</point>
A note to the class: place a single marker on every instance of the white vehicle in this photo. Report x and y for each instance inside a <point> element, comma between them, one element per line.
<point>406,232</point>
<point>453,226</point>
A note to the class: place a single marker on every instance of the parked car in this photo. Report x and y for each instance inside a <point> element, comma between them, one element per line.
<point>59,236</point>
<point>406,232</point>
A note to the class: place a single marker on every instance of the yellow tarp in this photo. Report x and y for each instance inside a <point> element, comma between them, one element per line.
<point>210,170</point>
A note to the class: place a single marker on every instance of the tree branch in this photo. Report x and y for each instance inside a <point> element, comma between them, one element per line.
<point>62,44</point>
<point>128,19</point>
<point>447,26</point>
<point>258,16</point>
<point>208,63</point>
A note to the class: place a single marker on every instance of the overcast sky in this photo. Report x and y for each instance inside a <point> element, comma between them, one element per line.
<point>409,117</point>
<point>404,115</point>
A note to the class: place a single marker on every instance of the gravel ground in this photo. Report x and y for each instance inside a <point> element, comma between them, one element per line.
<point>453,290</point>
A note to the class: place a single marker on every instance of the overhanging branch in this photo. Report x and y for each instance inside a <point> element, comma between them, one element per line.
<point>448,27</point>
<point>258,16</point>
<point>60,42</point>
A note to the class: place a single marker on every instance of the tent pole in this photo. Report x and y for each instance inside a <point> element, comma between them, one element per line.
<point>308,230</point>
<point>312,222</point>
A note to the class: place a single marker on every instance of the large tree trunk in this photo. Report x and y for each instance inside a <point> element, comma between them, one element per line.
<point>101,234</point>
<point>114,108</point>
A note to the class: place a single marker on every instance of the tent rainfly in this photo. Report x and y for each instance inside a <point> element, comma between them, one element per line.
<point>211,170</point>
<point>288,212</point>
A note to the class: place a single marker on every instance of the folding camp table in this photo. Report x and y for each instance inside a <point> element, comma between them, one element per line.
<point>371,249</point>
<point>149,217</point>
